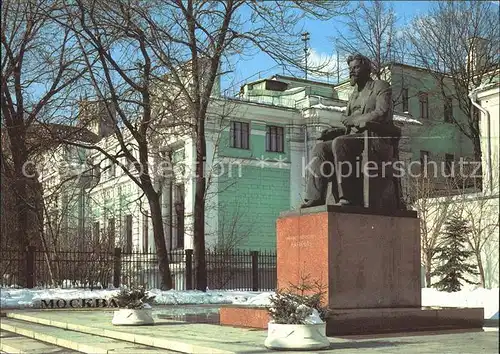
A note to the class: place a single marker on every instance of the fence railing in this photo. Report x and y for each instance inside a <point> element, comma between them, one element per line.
<point>234,269</point>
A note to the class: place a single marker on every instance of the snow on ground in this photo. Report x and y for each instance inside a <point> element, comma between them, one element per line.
<point>31,298</point>
<point>487,298</point>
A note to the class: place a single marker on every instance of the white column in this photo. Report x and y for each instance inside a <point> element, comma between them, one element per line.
<point>166,211</point>
<point>211,201</point>
<point>190,178</point>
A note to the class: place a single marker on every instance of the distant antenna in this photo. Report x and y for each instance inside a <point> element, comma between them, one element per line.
<point>305,39</point>
<point>338,67</point>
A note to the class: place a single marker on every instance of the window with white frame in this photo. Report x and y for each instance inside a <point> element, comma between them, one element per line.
<point>274,138</point>
<point>240,135</point>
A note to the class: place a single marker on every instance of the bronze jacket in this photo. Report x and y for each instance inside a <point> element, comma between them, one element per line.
<point>377,107</point>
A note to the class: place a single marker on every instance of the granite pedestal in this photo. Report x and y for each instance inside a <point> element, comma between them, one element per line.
<point>362,260</point>
<point>368,264</point>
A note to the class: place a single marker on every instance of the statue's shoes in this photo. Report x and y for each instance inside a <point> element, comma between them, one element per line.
<point>343,202</point>
<point>312,203</point>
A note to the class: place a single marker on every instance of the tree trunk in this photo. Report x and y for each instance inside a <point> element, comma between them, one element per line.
<point>478,180</point>
<point>481,270</point>
<point>427,278</point>
<point>21,195</point>
<point>428,271</point>
<point>199,210</point>
<point>159,237</point>
<point>17,138</point>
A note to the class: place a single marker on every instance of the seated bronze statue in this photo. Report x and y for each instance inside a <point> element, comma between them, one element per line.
<point>369,135</point>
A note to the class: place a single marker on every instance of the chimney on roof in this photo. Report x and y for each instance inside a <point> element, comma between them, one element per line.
<point>477,56</point>
<point>97,116</point>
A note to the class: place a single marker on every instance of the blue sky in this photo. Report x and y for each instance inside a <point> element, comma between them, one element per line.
<point>320,42</point>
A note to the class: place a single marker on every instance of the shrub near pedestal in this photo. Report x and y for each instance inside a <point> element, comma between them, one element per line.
<point>134,308</point>
<point>298,322</point>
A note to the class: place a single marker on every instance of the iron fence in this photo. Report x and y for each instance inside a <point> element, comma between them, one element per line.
<point>233,269</point>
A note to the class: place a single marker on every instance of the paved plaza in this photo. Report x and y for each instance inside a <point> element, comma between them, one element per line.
<point>69,331</point>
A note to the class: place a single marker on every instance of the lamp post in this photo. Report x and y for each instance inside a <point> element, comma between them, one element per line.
<point>305,39</point>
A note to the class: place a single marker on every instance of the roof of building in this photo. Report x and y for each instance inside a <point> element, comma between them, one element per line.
<point>48,135</point>
<point>489,86</point>
<point>296,79</point>
<point>398,117</point>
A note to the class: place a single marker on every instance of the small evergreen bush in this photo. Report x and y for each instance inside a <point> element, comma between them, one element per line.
<point>134,298</point>
<point>293,306</point>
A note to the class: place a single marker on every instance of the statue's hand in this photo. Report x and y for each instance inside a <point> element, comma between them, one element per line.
<point>331,133</point>
<point>348,121</point>
<point>359,122</point>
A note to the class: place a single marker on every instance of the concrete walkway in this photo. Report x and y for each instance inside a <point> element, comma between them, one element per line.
<point>92,332</point>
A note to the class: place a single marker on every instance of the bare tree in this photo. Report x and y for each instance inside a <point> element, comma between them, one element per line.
<point>233,231</point>
<point>490,254</point>
<point>215,31</point>
<point>458,40</point>
<point>483,216</point>
<point>39,68</point>
<point>184,47</point>
<point>372,30</point>
<point>433,213</point>
<point>226,257</point>
<point>438,197</point>
<point>481,210</point>
<point>126,79</point>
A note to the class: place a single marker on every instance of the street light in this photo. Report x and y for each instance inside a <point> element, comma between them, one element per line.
<point>305,39</point>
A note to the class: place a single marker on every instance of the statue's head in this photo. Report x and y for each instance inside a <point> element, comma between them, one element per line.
<point>359,68</point>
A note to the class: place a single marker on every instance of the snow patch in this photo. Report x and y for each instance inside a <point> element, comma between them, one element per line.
<point>330,108</point>
<point>262,299</point>
<point>313,318</point>
<point>487,298</point>
<point>31,298</point>
<point>294,90</point>
<point>397,117</point>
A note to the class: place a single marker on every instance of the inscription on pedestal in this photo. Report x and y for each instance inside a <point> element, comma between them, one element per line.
<point>302,244</point>
<point>300,241</point>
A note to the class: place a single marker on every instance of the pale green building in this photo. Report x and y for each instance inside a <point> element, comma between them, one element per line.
<point>258,144</point>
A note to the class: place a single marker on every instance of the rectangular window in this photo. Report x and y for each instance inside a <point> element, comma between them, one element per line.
<point>240,135</point>
<point>448,110</point>
<point>404,99</point>
<point>128,234</point>
<point>274,139</point>
<point>424,105</point>
<point>449,158</point>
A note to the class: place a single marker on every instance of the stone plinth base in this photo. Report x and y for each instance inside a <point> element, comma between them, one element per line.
<point>363,258</point>
<point>369,321</point>
<point>243,316</point>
